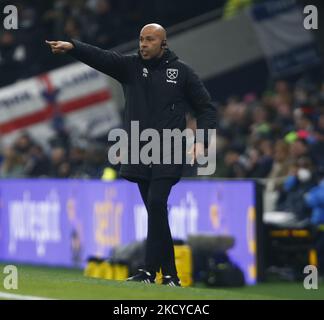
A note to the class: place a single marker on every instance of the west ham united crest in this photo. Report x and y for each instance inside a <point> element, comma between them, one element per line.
<point>172,74</point>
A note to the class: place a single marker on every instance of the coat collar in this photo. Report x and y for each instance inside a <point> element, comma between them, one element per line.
<point>167,57</point>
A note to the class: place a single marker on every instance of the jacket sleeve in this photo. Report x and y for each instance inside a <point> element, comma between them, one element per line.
<point>109,62</point>
<point>199,99</point>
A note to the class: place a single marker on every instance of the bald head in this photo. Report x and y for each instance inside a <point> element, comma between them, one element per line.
<point>155,28</point>
<point>152,41</point>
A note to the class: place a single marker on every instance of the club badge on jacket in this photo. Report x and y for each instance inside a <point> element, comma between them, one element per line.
<point>172,74</point>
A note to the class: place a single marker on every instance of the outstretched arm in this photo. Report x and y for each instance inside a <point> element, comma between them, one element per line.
<point>109,62</point>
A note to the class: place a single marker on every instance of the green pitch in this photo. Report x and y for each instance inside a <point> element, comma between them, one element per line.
<point>59,283</point>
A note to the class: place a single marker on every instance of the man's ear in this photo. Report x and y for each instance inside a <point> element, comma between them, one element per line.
<point>163,44</point>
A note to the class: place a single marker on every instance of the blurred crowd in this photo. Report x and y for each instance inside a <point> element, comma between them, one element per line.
<point>62,157</point>
<point>278,137</point>
<point>104,23</point>
<point>267,136</point>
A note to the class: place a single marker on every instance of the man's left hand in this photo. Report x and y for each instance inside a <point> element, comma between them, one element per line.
<point>196,150</point>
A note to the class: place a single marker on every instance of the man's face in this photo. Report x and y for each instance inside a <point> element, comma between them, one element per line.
<point>150,43</point>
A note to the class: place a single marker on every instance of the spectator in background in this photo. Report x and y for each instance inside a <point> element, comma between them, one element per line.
<point>23,143</point>
<point>298,149</point>
<point>234,121</point>
<point>282,93</point>
<point>95,160</point>
<point>37,163</point>
<point>300,180</point>
<point>283,121</point>
<point>261,126</point>
<point>301,96</point>
<point>304,125</point>
<point>233,163</point>
<point>262,159</point>
<point>57,158</point>
<point>12,165</point>
<point>62,136</point>
<point>280,167</point>
<point>64,170</point>
<point>77,161</point>
<point>315,200</point>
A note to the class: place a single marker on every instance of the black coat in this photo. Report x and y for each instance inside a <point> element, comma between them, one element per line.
<point>153,96</point>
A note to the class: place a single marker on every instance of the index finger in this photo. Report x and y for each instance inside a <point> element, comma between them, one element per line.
<point>51,42</point>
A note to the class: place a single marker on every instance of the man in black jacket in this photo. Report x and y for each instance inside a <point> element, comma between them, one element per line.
<point>159,90</point>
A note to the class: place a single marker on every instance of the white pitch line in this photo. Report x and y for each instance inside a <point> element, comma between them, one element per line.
<point>13,296</point>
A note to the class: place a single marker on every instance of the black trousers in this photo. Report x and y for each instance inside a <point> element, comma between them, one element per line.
<point>159,243</point>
